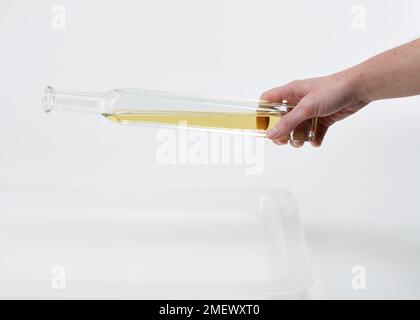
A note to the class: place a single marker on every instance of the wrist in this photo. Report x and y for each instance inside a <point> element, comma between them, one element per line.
<point>356,83</point>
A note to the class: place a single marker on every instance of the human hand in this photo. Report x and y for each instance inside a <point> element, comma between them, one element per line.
<point>330,98</point>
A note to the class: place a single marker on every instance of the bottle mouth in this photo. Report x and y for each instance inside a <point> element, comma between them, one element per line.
<point>48,99</point>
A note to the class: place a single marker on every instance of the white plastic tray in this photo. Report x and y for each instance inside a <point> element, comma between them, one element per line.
<point>171,243</point>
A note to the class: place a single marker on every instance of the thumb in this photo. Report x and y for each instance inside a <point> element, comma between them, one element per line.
<point>302,111</point>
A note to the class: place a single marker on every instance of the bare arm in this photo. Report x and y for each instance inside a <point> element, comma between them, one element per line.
<point>394,73</point>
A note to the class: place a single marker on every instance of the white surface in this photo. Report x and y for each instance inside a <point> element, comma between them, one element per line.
<point>358,194</point>
<point>151,244</point>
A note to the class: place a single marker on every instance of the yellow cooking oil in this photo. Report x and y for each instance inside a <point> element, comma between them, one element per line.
<point>257,121</point>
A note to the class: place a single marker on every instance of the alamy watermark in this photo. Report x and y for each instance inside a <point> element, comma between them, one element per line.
<point>358,17</point>
<point>58,17</point>
<point>184,146</point>
<point>358,281</point>
<point>58,277</point>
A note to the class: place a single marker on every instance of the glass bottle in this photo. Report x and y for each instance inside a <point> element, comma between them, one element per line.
<point>147,107</point>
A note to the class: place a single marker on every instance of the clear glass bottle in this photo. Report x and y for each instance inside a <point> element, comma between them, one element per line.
<point>147,107</point>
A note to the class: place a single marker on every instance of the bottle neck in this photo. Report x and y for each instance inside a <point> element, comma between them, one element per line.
<point>73,101</point>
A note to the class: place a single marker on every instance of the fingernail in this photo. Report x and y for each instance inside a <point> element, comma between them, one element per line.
<point>272,133</point>
<point>281,140</point>
<point>315,144</point>
<point>296,144</point>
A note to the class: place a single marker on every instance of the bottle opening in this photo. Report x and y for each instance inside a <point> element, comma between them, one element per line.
<point>48,99</point>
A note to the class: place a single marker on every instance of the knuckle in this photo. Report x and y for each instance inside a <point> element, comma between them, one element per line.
<point>285,123</point>
<point>306,110</point>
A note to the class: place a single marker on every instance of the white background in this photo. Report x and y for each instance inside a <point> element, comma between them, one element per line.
<point>358,194</point>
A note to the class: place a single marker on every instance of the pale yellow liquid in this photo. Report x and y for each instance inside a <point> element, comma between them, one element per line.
<point>258,122</point>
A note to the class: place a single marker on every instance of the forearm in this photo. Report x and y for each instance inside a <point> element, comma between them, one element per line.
<point>394,73</point>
